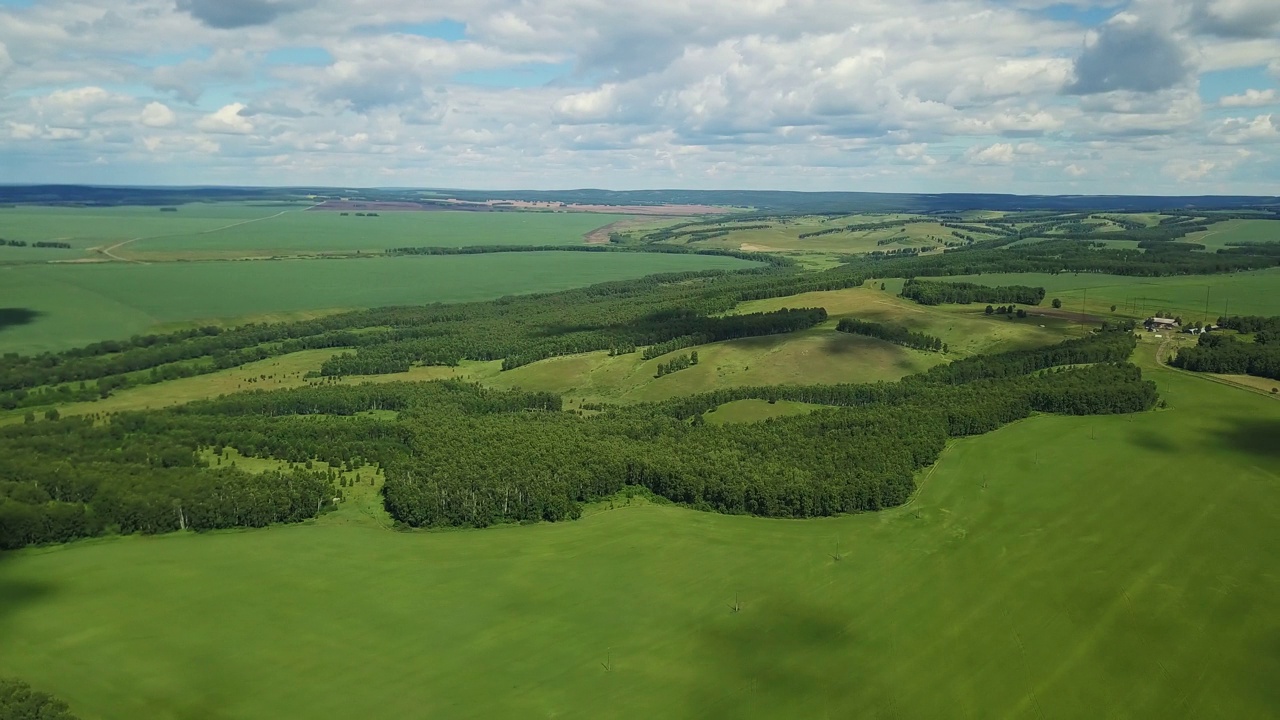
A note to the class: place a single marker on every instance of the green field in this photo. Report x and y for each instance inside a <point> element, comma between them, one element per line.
<point>224,230</point>
<point>1237,231</point>
<point>79,304</point>
<point>327,231</point>
<point>1060,567</point>
<point>1245,293</point>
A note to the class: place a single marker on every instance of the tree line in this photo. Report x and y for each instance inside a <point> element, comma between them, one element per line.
<point>896,334</point>
<point>933,292</point>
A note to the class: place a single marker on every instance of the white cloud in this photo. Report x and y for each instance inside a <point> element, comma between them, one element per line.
<point>877,94</point>
<point>1188,170</point>
<point>1243,131</point>
<point>157,115</point>
<point>227,121</point>
<point>1075,171</point>
<point>997,154</point>
<point>1250,98</point>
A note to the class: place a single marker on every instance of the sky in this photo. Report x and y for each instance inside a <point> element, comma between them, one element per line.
<point>1016,96</point>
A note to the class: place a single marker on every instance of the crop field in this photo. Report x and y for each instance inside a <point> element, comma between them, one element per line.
<point>85,228</point>
<point>313,231</point>
<point>79,304</point>
<point>1237,231</point>
<point>1244,293</point>
<point>1116,566</point>
<point>233,230</point>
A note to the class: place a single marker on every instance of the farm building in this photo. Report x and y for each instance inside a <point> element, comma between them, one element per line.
<point>1159,323</point>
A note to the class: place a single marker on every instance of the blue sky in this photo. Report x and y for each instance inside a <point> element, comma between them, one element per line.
<point>1028,96</point>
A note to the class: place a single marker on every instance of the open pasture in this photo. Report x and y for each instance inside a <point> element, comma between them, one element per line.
<point>965,328</point>
<point>76,305</point>
<point>1245,293</point>
<point>1118,566</point>
<point>1237,231</point>
<point>820,355</point>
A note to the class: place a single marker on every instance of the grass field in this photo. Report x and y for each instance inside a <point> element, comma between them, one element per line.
<point>1246,293</point>
<point>78,304</point>
<point>1059,567</point>
<point>1237,231</point>
<point>228,230</point>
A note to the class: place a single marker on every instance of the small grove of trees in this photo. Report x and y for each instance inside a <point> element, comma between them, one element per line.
<point>935,292</point>
<point>1057,303</point>
<point>678,363</point>
<point>895,334</point>
<point>1007,310</point>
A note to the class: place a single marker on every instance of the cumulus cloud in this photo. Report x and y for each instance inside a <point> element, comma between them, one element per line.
<point>1188,170</point>
<point>997,154</point>
<point>1129,54</point>
<point>887,94</point>
<point>1237,18</point>
<point>230,14</point>
<point>157,115</point>
<point>227,120</point>
<point>1244,131</point>
<point>1250,98</point>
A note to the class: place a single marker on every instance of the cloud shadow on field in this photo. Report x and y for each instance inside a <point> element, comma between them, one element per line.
<point>767,655</point>
<point>12,317</point>
<point>1153,441</point>
<point>15,594</point>
<point>1253,436</point>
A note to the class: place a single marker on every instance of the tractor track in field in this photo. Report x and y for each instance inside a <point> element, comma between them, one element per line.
<point>108,251</point>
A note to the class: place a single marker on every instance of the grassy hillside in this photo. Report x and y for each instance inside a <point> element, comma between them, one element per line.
<point>84,303</point>
<point>1059,567</point>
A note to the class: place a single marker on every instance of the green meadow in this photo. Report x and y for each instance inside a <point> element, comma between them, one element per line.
<point>1116,566</point>
<point>79,304</point>
<point>1244,293</point>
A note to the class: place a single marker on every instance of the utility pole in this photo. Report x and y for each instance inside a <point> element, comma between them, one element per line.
<point>1206,304</point>
<point>1084,305</point>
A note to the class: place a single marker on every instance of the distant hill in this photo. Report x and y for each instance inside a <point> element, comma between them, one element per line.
<point>761,200</point>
